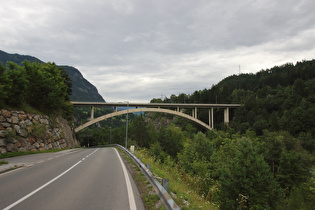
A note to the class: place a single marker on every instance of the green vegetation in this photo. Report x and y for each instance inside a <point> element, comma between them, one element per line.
<point>40,86</point>
<point>3,162</point>
<point>182,188</point>
<point>82,90</point>
<point>148,195</point>
<point>21,153</point>
<point>264,159</point>
<point>230,171</point>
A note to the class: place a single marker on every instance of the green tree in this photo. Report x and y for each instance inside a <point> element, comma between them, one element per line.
<point>196,154</point>
<point>246,182</point>
<point>3,86</point>
<point>139,132</point>
<point>294,169</point>
<point>171,140</point>
<point>17,85</point>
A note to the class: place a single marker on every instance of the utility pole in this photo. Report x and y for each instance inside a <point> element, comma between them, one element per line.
<point>127,125</point>
<point>110,135</point>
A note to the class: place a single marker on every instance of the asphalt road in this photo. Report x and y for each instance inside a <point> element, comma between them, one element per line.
<point>83,179</point>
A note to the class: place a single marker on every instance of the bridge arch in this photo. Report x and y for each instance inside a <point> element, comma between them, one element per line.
<point>104,117</point>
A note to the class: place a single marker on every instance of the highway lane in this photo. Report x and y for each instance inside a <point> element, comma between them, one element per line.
<point>86,179</point>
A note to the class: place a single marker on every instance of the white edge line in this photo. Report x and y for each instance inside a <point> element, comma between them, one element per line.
<point>131,196</point>
<point>38,189</point>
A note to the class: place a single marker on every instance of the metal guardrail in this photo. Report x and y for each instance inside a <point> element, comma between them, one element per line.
<point>167,200</point>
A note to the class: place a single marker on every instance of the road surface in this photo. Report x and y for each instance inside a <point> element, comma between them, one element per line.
<point>83,179</point>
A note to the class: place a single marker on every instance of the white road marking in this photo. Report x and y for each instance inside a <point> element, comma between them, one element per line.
<point>131,196</point>
<point>45,185</point>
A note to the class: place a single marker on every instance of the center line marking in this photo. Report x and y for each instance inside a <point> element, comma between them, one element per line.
<point>43,186</point>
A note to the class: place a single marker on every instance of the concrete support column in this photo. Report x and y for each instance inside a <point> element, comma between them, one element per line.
<point>196,113</point>
<point>226,116</point>
<point>193,113</point>
<point>115,108</point>
<point>92,112</point>
<point>211,118</point>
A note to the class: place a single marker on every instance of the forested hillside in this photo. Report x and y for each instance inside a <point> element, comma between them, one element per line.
<point>264,159</point>
<point>280,98</point>
<point>42,87</point>
<point>82,90</point>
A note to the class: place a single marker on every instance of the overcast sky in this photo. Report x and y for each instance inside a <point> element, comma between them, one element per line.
<point>136,50</point>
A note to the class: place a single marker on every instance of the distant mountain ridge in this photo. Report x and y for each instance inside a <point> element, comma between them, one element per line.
<point>82,89</point>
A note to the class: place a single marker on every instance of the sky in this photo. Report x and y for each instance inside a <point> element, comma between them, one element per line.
<point>137,50</point>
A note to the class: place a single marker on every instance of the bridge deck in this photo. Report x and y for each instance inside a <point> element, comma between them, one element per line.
<point>155,105</point>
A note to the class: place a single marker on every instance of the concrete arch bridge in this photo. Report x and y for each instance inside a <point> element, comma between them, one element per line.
<point>157,107</point>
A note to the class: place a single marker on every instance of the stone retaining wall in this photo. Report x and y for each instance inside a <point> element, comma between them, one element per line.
<point>30,132</point>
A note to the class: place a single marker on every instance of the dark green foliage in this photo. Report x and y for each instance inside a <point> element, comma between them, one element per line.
<point>263,160</point>
<point>171,140</point>
<point>280,98</point>
<point>44,86</point>
<point>246,180</point>
<point>82,90</point>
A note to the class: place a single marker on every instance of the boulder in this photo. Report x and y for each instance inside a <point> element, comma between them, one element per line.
<point>23,133</point>
<point>14,120</point>
<point>36,145</point>
<point>31,140</point>
<point>2,150</point>
<point>3,133</point>
<point>6,113</point>
<point>2,143</point>
<point>2,119</point>
<point>22,116</point>
<point>11,148</point>
<point>17,128</point>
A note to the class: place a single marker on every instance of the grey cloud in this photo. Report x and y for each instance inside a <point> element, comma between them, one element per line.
<point>138,50</point>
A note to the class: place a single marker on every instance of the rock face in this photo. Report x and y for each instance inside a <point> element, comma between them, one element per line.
<point>30,132</point>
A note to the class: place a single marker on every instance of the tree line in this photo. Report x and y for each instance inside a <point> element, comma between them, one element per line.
<point>264,159</point>
<point>230,169</point>
<point>44,87</point>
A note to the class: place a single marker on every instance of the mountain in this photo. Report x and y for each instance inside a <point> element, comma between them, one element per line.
<point>82,90</point>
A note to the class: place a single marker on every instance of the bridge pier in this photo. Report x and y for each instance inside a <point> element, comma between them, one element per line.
<point>92,112</point>
<point>226,115</point>
<point>160,107</point>
<point>211,118</point>
<point>196,116</point>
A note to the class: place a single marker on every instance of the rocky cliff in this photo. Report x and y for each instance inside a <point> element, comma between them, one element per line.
<point>20,131</point>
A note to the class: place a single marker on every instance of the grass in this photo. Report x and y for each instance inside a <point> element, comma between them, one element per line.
<point>3,162</point>
<point>21,153</point>
<point>149,197</point>
<point>182,192</point>
<point>25,107</point>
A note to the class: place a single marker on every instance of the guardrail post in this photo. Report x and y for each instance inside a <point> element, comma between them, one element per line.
<point>165,184</point>
<point>132,149</point>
